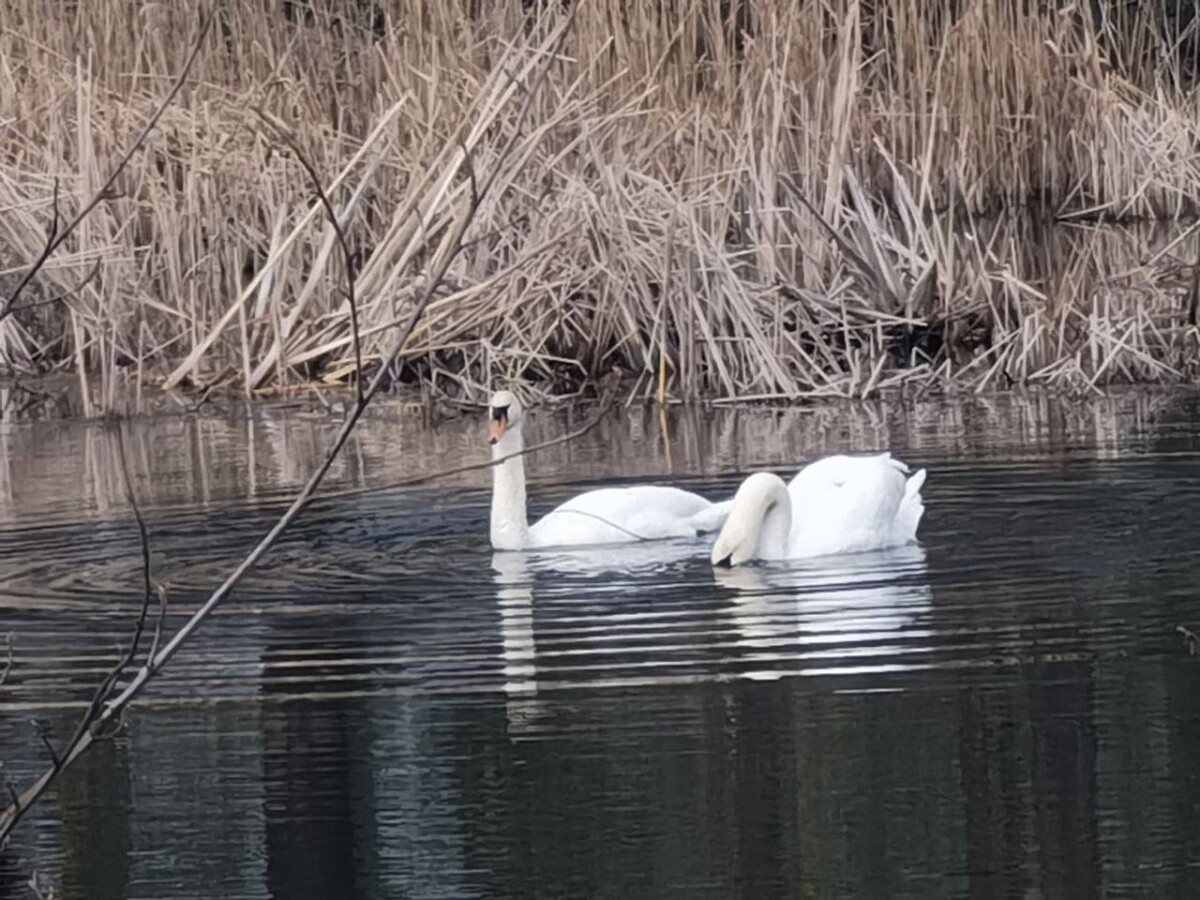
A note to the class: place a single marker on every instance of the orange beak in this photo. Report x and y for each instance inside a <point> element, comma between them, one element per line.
<point>496,429</point>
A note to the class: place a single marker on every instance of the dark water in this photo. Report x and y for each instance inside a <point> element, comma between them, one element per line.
<point>387,709</point>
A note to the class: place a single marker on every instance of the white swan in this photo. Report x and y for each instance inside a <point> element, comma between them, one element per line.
<point>603,516</point>
<point>839,504</point>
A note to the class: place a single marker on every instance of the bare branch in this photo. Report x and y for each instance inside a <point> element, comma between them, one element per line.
<point>58,298</point>
<point>1193,293</point>
<point>54,757</point>
<point>284,134</point>
<point>109,682</point>
<point>52,233</point>
<point>147,585</point>
<point>56,237</point>
<point>8,663</point>
<point>606,405</point>
<point>162,618</point>
<point>113,709</point>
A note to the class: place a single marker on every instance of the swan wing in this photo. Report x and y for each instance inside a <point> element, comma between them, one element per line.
<point>912,508</point>
<point>622,514</point>
<point>853,503</point>
<point>712,518</point>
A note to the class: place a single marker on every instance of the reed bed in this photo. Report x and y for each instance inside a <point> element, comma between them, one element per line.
<point>717,199</point>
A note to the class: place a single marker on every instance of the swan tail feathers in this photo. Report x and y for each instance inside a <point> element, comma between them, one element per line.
<point>912,487</point>
<point>912,507</point>
<point>712,517</point>
<point>899,465</point>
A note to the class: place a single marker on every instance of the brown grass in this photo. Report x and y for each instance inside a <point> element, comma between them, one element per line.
<point>653,219</point>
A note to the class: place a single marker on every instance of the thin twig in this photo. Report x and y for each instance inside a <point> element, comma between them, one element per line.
<point>448,250</point>
<point>58,298</point>
<point>56,213</point>
<point>108,683</point>
<point>8,663</point>
<point>56,237</point>
<point>144,536</point>
<point>162,618</point>
<point>54,757</point>
<point>1193,294</point>
<point>284,134</point>
<point>606,406</point>
<point>641,538</point>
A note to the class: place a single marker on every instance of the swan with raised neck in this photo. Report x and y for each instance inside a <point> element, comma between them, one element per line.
<point>608,515</point>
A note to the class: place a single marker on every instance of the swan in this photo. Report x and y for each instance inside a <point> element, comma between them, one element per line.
<point>839,504</point>
<point>604,516</point>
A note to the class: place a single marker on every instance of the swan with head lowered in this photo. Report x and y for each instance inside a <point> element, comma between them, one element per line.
<point>604,516</point>
<point>839,504</point>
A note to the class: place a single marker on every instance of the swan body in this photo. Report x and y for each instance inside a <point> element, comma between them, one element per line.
<point>603,516</point>
<point>839,504</point>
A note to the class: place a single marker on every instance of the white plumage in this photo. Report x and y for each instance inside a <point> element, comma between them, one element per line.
<point>839,504</point>
<point>604,516</point>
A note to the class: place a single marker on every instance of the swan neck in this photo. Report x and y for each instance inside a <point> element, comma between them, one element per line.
<point>776,525</point>
<point>759,523</point>
<point>509,527</point>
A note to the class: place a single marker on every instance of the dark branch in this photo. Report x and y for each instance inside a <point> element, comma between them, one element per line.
<point>1193,293</point>
<point>162,618</point>
<point>58,298</point>
<point>107,685</point>
<point>92,724</point>
<point>8,662</point>
<point>106,714</point>
<point>52,233</point>
<point>605,406</point>
<point>144,535</point>
<point>56,237</point>
<point>54,757</point>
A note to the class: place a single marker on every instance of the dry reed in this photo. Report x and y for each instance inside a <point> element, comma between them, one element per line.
<point>721,199</point>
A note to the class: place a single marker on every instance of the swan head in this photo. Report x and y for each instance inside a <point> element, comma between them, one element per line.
<point>504,414</point>
<point>759,522</point>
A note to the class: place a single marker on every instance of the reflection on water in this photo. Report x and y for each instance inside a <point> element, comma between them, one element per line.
<point>388,708</point>
<point>69,469</point>
<point>838,615</point>
<point>514,599</point>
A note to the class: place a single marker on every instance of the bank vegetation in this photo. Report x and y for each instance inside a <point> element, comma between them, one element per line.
<point>716,199</point>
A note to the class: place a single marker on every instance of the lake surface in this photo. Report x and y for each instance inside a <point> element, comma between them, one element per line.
<point>388,709</point>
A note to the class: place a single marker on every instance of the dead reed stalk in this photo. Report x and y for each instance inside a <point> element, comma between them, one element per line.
<point>648,223</point>
<point>522,69</point>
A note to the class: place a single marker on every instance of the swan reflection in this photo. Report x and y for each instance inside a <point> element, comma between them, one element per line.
<point>514,597</point>
<point>851,614</point>
<point>631,615</point>
<point>562,572</point>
